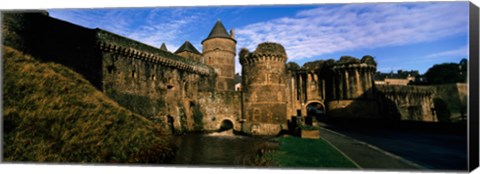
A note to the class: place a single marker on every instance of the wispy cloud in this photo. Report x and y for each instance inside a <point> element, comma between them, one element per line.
<point>150,26</point>
<point>459,52</point>
<point>329,29</point>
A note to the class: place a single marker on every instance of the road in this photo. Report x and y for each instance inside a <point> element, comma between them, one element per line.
<point>439,151</point>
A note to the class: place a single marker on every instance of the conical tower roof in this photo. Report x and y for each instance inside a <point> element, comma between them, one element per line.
<point>187,46</point>
<point>218,31</point>
<point>163,47</point>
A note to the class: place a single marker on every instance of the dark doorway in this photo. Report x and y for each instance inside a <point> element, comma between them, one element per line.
<point>226,125</point>
<point>315,112</point>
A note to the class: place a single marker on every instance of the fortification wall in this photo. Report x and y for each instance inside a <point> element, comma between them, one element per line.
<point>52,40</point>
<point>218,107</point>
<point>154,83</point>
<point>451,102</point>
<point>306,87</point>
<point>192,56</point>
<point>412,103</point>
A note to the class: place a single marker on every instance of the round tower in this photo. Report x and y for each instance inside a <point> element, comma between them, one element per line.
<point>263,82</point>
<point>353,88</point>
<point>219,50</point>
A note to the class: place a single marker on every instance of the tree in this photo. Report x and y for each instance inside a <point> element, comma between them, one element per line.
<point>292,66</point>
<point>446,73</point>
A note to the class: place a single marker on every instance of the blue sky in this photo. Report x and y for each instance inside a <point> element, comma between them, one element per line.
<point>407,36</point>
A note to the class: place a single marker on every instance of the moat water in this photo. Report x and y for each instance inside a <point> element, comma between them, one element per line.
<point>216,149</point>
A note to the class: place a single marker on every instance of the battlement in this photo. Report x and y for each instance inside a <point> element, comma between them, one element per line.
<point>267,51</point>
<point>405,90</point>
<point>352,62</point>
<point>117,44</point>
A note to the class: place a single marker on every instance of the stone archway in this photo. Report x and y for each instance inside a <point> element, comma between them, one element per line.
<point>315,111</point>
<point>226,125</point>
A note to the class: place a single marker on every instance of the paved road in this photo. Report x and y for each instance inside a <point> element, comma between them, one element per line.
<point>365,155</point>
<point>431,150</point>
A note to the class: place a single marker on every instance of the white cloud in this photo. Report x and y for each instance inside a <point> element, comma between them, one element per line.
<point>150,26</point>
<point>459,52</point>
<point>329,29</point>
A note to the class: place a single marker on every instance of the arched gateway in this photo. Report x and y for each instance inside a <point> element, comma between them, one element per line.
<point>315,111</point>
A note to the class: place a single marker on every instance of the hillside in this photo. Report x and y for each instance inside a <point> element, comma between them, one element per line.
<point>52,114</point>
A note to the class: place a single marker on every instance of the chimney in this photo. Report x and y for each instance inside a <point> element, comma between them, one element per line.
<point>232,33</point>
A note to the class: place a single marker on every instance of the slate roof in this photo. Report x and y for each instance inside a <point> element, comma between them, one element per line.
<point>187,46</point>
<point>163,47</point>
<point>219,31</point>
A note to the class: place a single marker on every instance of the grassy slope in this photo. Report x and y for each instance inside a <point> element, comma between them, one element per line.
<point>297,152</point>
<point>52,114</point>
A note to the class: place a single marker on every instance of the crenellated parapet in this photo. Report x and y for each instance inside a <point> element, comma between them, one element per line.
<point>406,90</point>
<point>111,42</point>
<point>265,52</point>
<point>353,78</point>
<point>152,57</point>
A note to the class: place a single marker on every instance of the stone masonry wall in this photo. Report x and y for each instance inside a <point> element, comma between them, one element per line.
<point>218,107</point>
<point>156,84</point>
<point>52,40</point>
<point>412,103</point>
<point>451,102</point>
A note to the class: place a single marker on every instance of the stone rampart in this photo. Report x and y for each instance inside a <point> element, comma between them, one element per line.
<point>413,103</point>
<point>219,107</point>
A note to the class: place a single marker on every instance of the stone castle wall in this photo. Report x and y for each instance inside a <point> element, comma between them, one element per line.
<point>218,107</point>
<point>450,102</point>
<point>152,82</point>
<point>159,85</point>
<point>412,103</point>
<point>191,56</point>
<point>308,87</point>
<point>437,103</point>
<point>52,40</point>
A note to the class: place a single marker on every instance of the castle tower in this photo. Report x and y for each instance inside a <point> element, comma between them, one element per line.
<point>263,82</point>
<point>353,88</point>
<point>219,50</point>
<point>187,50</point>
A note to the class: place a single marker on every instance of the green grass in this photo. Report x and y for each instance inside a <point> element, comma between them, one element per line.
<point>52,114</point>
<point>317,153</point>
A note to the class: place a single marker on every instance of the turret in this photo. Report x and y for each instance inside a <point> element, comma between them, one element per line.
<point>354,78</point>
<point>187,50</point>
<point>353,94</point>
<point>263,82</point>
<point>219,50</point>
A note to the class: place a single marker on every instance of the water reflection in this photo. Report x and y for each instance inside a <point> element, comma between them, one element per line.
<point>219,149</point>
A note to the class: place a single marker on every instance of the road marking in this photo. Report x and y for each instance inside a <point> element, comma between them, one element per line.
<point>377,148</point>
<point>345,155</point>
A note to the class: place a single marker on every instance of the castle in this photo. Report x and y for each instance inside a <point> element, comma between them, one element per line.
<point>188,90</point>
